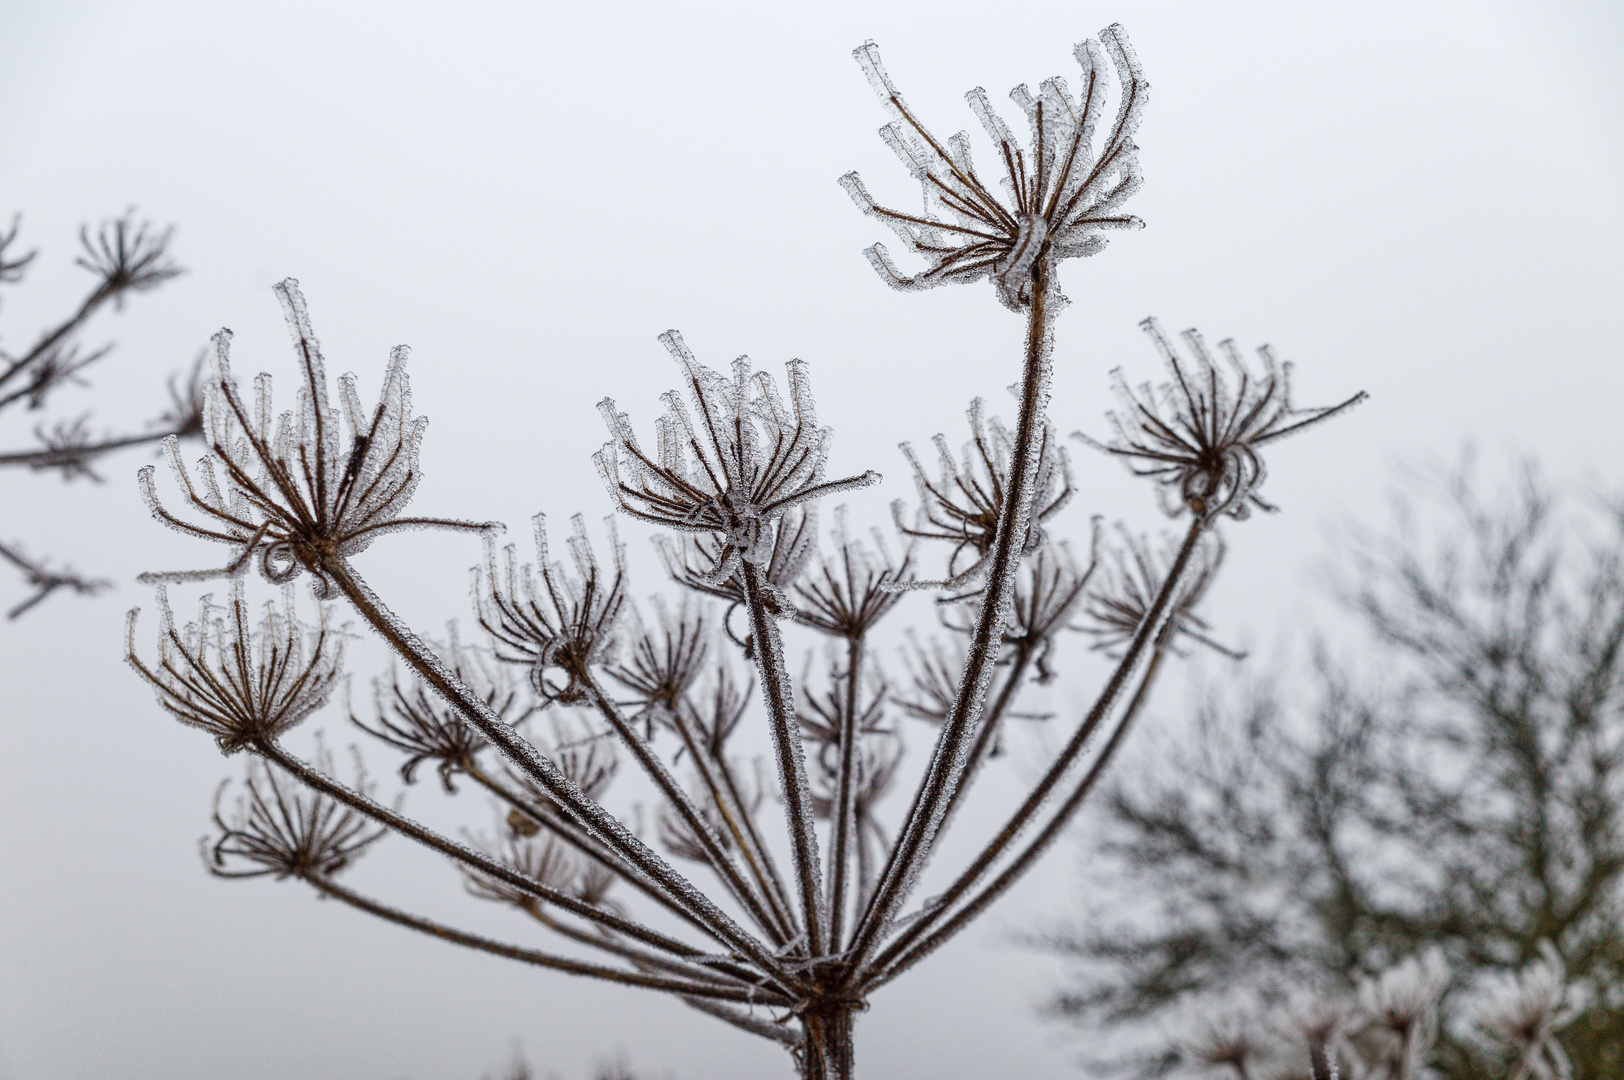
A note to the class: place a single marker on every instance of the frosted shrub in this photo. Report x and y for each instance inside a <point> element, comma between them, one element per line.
<point>786,933</point>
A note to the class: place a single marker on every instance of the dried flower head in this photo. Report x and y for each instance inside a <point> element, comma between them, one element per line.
<point>289,492</point>
<point>734,472</point>
<point>714,712</point>
<point>1046,596</point>
<point>411,717</point>
<point>583,752</point>
<point>963,505</point>
<point>237,683</point>
<point>542,858</point>
<point>660,668</point>
<point>1063,192</point>
<point>1402,1005</point>
<point>878,755</point>
<point>127,257</point>
<point>934,670</point>
<point>820,711</point>
<point>1225,1039</point>
<point>1198,437</point>
<point>692,560</point>
<point>283,829</point>
<point>1133,578</point>
<point>847,595</point>
<point>677,835</point>
<point>1523,1012</point>
<point>569,624</point>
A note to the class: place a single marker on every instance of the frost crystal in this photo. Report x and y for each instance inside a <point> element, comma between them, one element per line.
<point>282,829</point>
<point>1062,192</point>
<point>1197,436</point>
<point>287,489</point>
<point>963,505</point>
<point>238,684</point>
<point>733,470</point>
<point>568,624</point>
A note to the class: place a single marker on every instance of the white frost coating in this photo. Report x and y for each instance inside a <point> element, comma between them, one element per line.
<point>732,468</point>
<point>235,682</point>
<point>961,505</point>
<point>1059,194</point>
<point>1198,437</point>
<point>598,822</point>
<point>290,490</point>
<point>565,623</point>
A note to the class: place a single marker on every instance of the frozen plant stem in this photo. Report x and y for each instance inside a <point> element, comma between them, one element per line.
<point>786,736</point>
<point>598,822</point>
<point>736,470</point>
<point>948,758</point>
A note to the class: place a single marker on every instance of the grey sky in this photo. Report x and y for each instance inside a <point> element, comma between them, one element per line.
<point>1421,200</point>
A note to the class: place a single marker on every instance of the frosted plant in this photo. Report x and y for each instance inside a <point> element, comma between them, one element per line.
<point>289,490</point>
<point>751,458</point>
<point>1062,192</point>
<point>692,559</point>
<point>567,624</point>
<point>783,934</point>
<point>237,683</point>
<point>1198,436</point>
<point>964,505</point>
<point>1133,578</point>
<point>410,717</point>
<point>283,829</point>
<point>1523,1012</point>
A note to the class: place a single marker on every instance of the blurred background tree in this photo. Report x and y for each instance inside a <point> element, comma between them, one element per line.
<point>123,257</point>
<point>1459,786</point>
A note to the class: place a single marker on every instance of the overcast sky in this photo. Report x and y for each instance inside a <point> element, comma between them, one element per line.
<point>1424,200</point>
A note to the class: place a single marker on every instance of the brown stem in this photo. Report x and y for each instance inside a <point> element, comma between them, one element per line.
<point>687,988</point>
<point>45,459</point>
<point>573,834</point>
<point>640,957</point>
<point>1151,629</point>
<point>844,811</point>
<point>755,1025</point>
<point>790,755</point>
<point>826,1042</point>
<point>602,825</point>
<point>988,731</point>
<point>1029,855</point>
<point>741,824</point>
<point>947,759</point>
<point>474,860</point>
<point>715,855</point>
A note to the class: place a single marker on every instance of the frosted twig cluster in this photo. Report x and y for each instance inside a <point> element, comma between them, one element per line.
<point>123,257</point>
<point>783,932</point>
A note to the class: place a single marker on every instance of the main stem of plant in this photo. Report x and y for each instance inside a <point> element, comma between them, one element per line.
<point>1009,542</point>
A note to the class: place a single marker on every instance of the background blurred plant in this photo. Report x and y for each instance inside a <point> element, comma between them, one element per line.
<point>124,258</point>
<point>792,932</point>
<point>1460,788</point>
